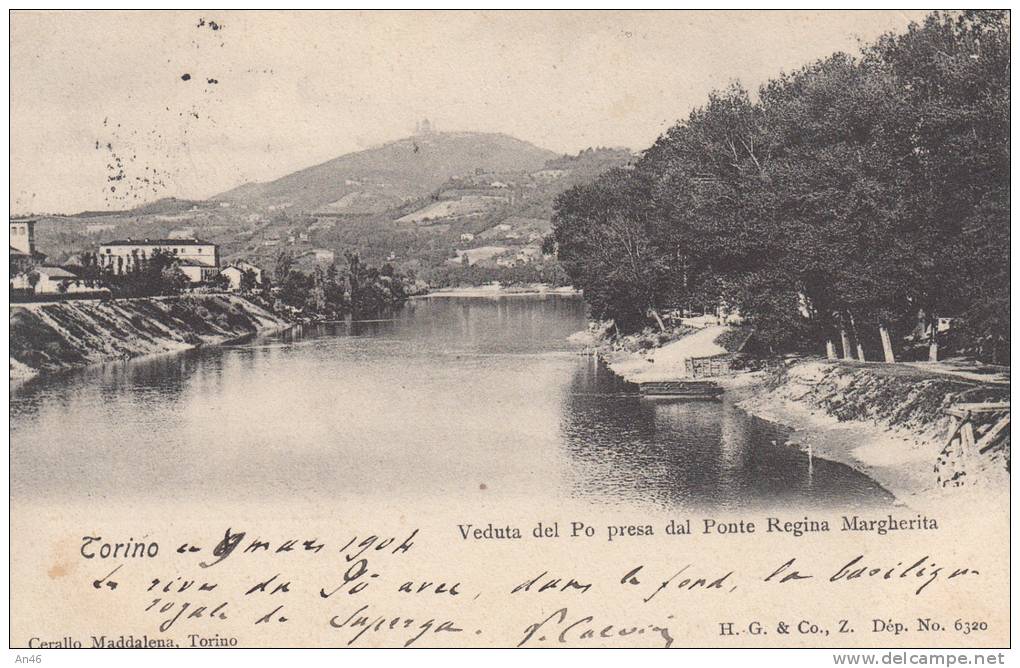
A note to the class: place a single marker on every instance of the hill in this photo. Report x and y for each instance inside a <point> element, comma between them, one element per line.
<point>419,211</point>
<point>164,206</point>
<point>382,178</point>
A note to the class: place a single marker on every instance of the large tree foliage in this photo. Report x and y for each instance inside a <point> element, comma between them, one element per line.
<point>851,195</point>
<point>607,244</point>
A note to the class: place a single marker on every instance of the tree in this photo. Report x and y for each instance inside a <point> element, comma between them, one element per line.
<point>249,281</point>
<point>952,127</point>
<point>606,249</point>
<point>220,282</point>
<point>852,195</point>
<point>284,264</point>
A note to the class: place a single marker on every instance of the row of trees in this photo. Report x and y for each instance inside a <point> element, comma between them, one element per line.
<point>329,292</point>
<point>333,291</point>
<point>522,273</point>
<point>146,276</point>
<point>850,198</point>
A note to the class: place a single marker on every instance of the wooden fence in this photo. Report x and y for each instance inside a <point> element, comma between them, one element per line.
<point>976,430</point>
<point>708,367</point>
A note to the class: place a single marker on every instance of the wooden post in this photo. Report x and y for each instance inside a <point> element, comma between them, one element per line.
<point>883,331</point>
<point>967,436</point>
<point>988,440</point>
<point>830,349</point>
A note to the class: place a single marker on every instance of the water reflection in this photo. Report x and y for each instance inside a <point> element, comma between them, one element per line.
<point>430,403</point>
<point>692,453</point>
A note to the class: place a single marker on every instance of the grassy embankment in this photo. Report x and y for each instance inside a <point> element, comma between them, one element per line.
<point>53,337</point>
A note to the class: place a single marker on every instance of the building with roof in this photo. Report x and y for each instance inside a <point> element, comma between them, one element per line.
<point>24,255</point>
<point>49,280</point>
<point>196,271</point>
<point>236,271</point>
<point>199,260</point>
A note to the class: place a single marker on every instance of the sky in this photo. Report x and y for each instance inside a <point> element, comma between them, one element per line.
<point>113,109</point>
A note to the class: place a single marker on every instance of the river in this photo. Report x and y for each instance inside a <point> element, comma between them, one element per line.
<point>446,401</point>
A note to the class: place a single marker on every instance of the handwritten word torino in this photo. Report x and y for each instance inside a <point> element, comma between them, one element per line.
<point>94,546</point>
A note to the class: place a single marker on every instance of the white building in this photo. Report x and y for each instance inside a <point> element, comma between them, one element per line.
<point>235,273</point>
<point>24,255</point>
<point>52,281</point>
<point>199,260</point>
<point>197,272</point>
<point>23,235</point>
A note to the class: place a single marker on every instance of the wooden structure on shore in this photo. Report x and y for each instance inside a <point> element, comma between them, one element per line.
<point>968,425</point>
<point>976,429</point>
<point>708,367</point>
<point>696,384</point>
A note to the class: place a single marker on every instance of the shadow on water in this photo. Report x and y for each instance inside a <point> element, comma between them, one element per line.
<point>693,453</point>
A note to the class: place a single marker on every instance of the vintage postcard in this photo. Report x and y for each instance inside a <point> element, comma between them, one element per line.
<point>510,329</point>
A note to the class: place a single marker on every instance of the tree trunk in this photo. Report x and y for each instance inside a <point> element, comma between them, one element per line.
<point>845,340</point>
<point>883,331</point>
<point>830,349</point>
<point>933,341</point>
<point>662,327</point>
<point>857,338</point>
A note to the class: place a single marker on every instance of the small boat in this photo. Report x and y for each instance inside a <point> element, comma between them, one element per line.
<point>693,390</point>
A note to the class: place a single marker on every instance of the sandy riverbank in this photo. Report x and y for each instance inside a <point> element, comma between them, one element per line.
<point>887,421</point>
<point>897,442</point>
<point>895,459</point>
<point>668,362</point>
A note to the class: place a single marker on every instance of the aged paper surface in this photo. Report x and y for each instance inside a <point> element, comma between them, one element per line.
<point>300,355</point>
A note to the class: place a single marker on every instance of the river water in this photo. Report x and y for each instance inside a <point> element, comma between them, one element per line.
<point>444,400</point>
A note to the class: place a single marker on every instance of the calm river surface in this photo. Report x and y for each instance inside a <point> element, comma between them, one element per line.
<point>450,395</point>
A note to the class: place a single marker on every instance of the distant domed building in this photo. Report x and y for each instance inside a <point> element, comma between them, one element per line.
<point>424,127</point>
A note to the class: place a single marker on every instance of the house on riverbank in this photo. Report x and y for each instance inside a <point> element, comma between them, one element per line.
<point>236,272</point>
<point>24,255</point>
<point>52,281</point>
<point>198,260</point>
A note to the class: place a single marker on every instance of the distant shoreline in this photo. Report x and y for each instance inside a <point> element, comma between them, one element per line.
<point>493,292</point>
